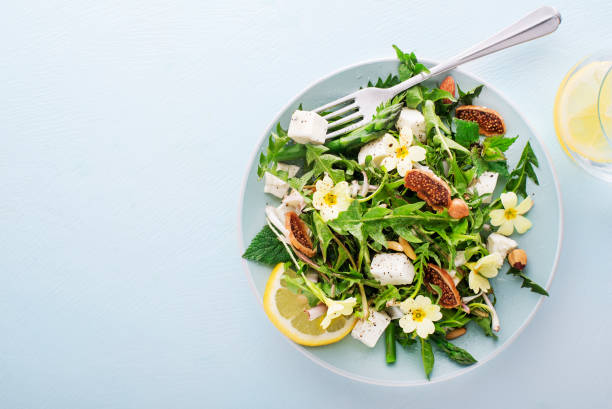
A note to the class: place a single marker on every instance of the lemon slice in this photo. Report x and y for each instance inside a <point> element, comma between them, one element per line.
<point>576,113</point>
<point>286,310</point>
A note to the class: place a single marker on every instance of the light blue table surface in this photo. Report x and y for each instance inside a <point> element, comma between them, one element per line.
<point>126,128</point>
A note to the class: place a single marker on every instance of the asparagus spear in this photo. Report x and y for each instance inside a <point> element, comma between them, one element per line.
<point>384,119</point>
<point>390,343</point>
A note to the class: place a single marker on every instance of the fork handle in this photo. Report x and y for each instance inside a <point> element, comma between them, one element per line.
<point>537,24</point>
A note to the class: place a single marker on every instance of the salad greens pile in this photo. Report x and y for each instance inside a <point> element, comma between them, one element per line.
<point>379,245</point>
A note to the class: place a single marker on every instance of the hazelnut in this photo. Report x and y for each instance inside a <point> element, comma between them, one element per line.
<point>517,259</point>
<point>455,333</point>
<point>458,209</point>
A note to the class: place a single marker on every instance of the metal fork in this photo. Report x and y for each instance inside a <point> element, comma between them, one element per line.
<point>364,102</point>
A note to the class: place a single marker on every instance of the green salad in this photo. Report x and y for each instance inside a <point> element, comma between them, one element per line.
<point>394,231</point>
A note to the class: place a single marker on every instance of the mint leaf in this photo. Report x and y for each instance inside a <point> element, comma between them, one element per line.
<point>527,282</point>
<point>517,181</point>
<point>493,147</point>
<point>266,248</point>
<point>390,81</point>
<point>499,167</point>
<point>466,132</point>
<point>427,356</point>
<point>414,96</point>
<point>409,65</point>
<point>499,141</point>
<point>459,355</point>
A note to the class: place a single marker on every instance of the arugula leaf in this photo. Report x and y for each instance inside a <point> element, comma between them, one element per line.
<point>466,98</point>
<point>401,337</point>
<point>517,181</point>
<point>390,81</point>
<point>390,293</point>
<point>409,65</point>
<point>466,132</point>
<point>323,162</point>
<point>485,324</point>
<point>266,248</point>
<point>427,356</point>
<point>299,183</point>
<point>432,120</point>
<point>527,282</point>
<point>324,234</point>
<point>459,355</point>
<point>461,178</point>
<point>297,285</point>
<point>269,158</point>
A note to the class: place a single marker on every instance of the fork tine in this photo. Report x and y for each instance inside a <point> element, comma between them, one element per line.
<point>334,103</point>
<point>344,120</point>
<point>341,111</point>
<point>344,130</point>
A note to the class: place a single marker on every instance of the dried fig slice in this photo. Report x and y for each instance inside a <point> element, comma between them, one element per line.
<point>438,276</point>
<point>298,234</point>
<point>490,122</point>
<point>428,187</point>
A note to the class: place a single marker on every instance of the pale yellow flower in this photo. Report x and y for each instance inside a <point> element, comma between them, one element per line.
<point>511,216</point>
<point>337,308</point>
<point>400,154</point>
<point>420,314</point>
<point>330,200</point>
<point>480,272</point>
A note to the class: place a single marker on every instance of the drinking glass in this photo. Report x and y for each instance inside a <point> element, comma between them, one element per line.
<point>583,114</point>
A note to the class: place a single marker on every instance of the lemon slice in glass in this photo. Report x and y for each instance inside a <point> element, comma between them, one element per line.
<point>577,114</point>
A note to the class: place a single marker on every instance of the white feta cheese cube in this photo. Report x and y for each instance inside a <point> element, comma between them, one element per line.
<point>307,127</point>
<point>500,244</point>
<point>377,149</point>
<point>485,184</point>
<point>275,185</point>
<point>293,202</point>
<point>392,268</point>
<point>413,119</point>
<point>369,331</point>
<point>292,170</point>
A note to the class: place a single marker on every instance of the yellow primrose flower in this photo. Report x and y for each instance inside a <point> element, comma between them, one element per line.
<point>420,314</point>
<point>511,216</point>
<point>400,154</point>
<point>480,271</point>
<point>337,308</point>
<point>330,200</point>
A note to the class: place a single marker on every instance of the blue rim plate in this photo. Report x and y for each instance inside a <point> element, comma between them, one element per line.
<point>516,306</point>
